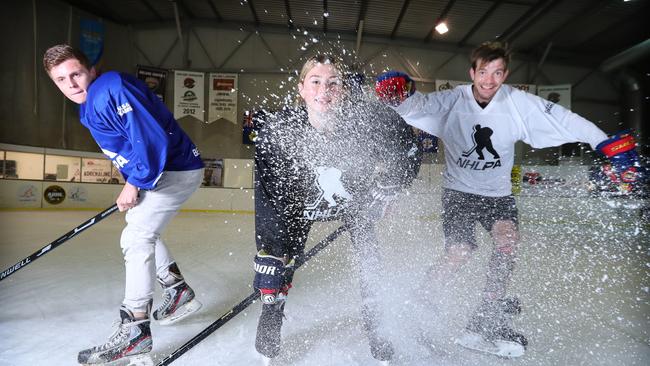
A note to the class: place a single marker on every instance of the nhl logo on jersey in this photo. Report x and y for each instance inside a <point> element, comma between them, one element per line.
<point>330,188</point>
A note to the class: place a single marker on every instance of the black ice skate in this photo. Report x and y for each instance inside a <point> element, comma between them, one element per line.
<point>131,340</point>
<point>381,349</point>
<point>178,302</point>
<point>269,329</point>
<point>490,330</point>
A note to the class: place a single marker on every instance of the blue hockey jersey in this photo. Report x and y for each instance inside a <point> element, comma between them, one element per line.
<point>136,130</point>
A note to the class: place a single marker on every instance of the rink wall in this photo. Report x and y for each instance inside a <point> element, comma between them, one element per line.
<point>551,181</point>
<point>28,194</point>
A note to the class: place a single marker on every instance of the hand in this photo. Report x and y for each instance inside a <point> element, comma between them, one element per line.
<point>625,167</point>
<point>128,198</point>
<point>272,277</point>
<point>382,197</point>
<point>393,87</point>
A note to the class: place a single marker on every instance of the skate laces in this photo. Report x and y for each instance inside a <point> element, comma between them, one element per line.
<point>120,332</point>
<point>169,294</point>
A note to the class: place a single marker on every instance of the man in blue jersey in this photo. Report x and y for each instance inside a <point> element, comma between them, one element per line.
<point>162,168</point>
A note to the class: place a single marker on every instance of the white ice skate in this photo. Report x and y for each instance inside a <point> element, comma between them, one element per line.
<point>179,302</point>
<point>502,348</point>
<point>130,341</point>
<point>182,312</point>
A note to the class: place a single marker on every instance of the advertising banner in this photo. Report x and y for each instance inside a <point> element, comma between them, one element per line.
<point>188,94</point>
<point>223,97</point>
<point>155,79</point>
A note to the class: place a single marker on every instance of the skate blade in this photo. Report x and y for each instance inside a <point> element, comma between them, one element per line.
<point>143,359</point>
<point>266,361</point>
<point>182,312</point>
<point>432,347</point>
<point>625,204</point>
<point>509,349</point>
<point>140,360</point>
<point>476,342</point>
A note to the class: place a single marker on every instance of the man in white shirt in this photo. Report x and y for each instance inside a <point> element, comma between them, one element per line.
<point>479,125</point>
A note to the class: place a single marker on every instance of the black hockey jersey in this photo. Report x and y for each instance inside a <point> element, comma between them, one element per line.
<point>304,175</point>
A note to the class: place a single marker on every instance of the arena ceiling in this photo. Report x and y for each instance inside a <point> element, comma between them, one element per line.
<point>582,32</point>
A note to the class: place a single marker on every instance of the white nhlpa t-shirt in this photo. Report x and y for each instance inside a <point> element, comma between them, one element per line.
<point>480,142</point>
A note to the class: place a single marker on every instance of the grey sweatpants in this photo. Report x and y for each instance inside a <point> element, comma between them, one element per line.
<point>145,254</point>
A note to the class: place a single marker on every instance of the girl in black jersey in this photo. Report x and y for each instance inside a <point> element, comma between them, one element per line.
<point>319,162</point>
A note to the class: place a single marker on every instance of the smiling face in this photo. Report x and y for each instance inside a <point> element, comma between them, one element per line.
<point>73,79</point>
<point>487,78</point>
<point>320,88</point>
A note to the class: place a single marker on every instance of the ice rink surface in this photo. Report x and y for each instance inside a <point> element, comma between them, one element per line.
<point>583,276</point>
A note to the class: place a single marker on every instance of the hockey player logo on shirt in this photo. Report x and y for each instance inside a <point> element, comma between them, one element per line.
<point>482,140</point>
<point>330,187</point>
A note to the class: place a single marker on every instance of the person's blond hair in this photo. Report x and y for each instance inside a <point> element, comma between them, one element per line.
<point>315,60</point>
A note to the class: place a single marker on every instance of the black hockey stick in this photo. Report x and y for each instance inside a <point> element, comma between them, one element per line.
<point>243,304</point>
<point>70,234</point>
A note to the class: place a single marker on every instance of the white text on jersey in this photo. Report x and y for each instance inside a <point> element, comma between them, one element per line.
<point>124,109</point>
<point>477,165</point>
<point>118,160</point>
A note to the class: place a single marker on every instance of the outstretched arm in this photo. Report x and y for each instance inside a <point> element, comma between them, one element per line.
<point>424,111</point>
<point>548,124</point>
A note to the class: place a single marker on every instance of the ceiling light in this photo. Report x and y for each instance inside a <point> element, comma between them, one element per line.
<point>441,28</point>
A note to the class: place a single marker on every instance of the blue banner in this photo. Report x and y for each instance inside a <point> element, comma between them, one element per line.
<point>92,40</point>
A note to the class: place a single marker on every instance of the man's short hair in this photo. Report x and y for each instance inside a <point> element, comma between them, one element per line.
<point>61,53</point>
<point>490,51</point>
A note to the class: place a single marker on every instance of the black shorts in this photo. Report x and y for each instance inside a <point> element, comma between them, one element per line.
<point>461,211</point>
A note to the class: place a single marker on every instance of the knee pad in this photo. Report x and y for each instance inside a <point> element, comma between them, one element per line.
<point>508,249</point>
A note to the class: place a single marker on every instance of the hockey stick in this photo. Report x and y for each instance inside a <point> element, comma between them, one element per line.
<point>243,304</point>
<point>70,234</point>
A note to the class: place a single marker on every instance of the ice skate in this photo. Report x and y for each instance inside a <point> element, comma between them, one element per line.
<point>131,340</point>
<point>490,331</point>
<point>431,343</point>
<point>269,330</point>
<point>381,350</point>
<point>178,302</point>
